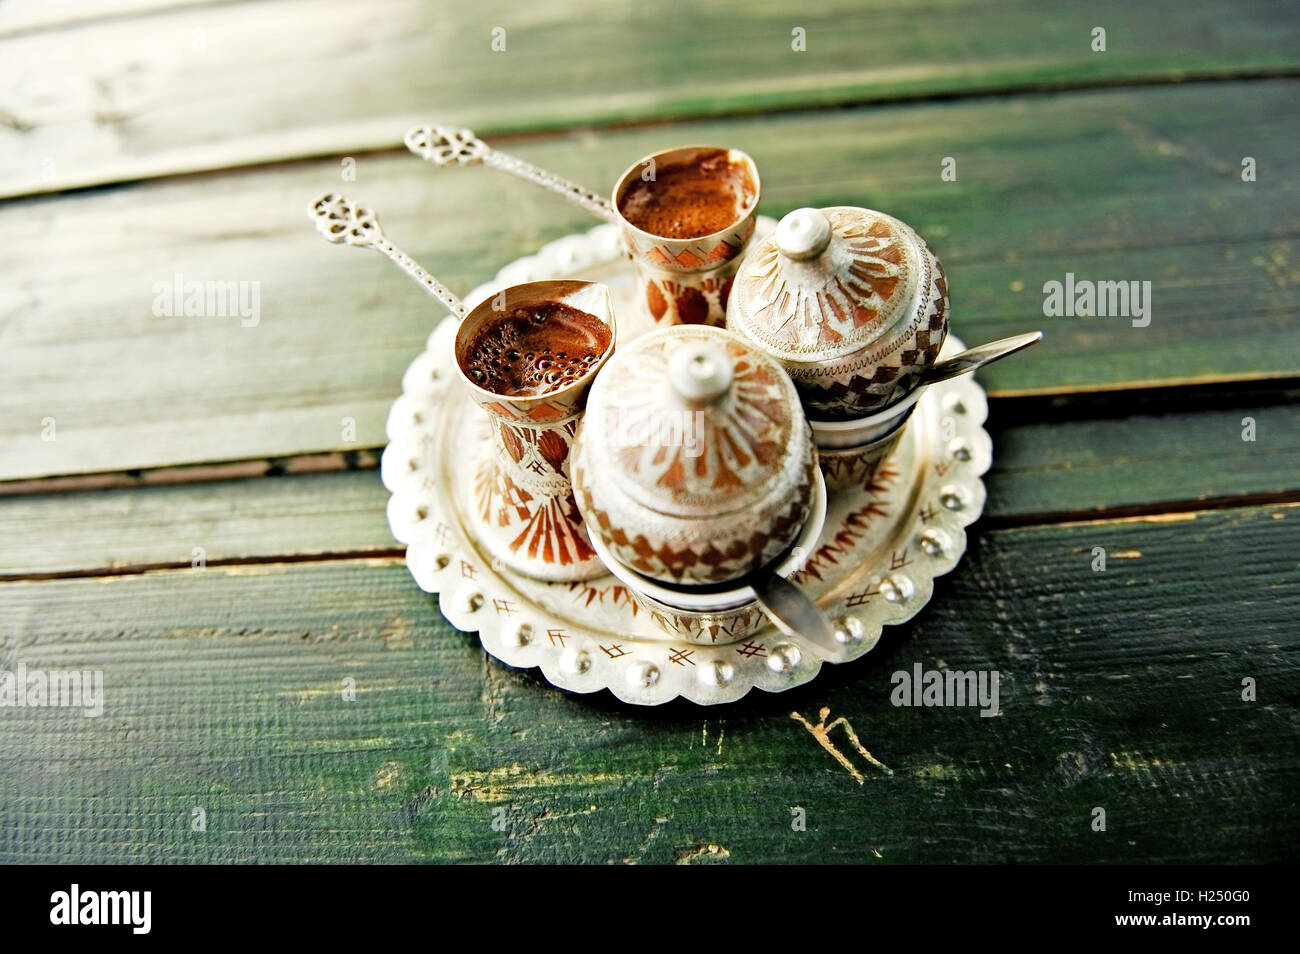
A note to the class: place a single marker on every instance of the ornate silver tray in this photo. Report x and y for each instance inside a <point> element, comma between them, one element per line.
<point>874,565</point>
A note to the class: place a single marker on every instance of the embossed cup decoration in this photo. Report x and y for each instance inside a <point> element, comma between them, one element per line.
<point>693,467</point>
<point>523,513</point>
<point>523,509</point>
<point>850,301</point>
<point>685,260</point>
<point>850,452</point>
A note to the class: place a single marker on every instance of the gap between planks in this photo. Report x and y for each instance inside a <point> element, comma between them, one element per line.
<point>1176,512</point>
<point>390,556</point>
<point>1007,409</point>
<point>323,463</point>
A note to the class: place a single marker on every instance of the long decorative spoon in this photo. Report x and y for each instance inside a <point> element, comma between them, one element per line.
<point>454,146</point>
<point>342,221</point>
<point>966,361</point>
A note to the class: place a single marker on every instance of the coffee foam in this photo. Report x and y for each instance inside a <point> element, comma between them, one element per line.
<point>535,349</point>
<point>690,198</point>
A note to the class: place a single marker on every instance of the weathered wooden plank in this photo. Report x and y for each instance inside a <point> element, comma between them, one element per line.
<point>1122,185</point>
<point>182,90</point>
<point>1041,470</point>
<point>310,515</point>
<point>1119,689</point>
<point>1144,462</point>
<point>25,16</point>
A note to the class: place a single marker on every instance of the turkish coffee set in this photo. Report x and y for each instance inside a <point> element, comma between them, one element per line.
<point>692,450</point>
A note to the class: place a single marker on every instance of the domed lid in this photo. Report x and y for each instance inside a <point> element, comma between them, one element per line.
<point>692,422</point>
<point>694,461</point>
<point>828,282</point>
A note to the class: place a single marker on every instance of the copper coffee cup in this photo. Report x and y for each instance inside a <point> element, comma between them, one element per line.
<point>523,511</point>
<point>687,280</point>
<point>684,274</point>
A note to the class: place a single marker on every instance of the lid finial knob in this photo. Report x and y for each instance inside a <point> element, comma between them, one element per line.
<point>700,373</point>
<point>803,234</point>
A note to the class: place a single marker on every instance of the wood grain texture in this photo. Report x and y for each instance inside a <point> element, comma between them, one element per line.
<point>197,130</point>
<point>1053,470</point>
<point>185,89</point>
<point>1076,469</point>
<point>1119,689</point>
<point>28,16</point>
<point>316,515</point>
<point>1120,185</point>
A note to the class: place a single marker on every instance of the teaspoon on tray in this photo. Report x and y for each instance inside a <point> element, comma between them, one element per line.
<point>972,358</point>
<point>453,146</point>
<point>342,221</point>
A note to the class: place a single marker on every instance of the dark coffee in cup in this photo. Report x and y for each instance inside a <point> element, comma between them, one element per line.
<point>689,198</point>
<point>534,349</point>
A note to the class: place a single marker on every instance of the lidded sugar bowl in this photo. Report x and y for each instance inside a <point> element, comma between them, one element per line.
<point>850,301</point>
<point>694,464</point>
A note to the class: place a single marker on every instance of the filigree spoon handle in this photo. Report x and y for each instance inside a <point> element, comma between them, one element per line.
<point>342,221</point>
<point>454,146</point>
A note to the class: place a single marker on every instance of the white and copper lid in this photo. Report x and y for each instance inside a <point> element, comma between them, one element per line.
<point>851,301</point>
<point>694,462</point>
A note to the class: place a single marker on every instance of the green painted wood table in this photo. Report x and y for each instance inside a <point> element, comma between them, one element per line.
<point>191,505</point>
